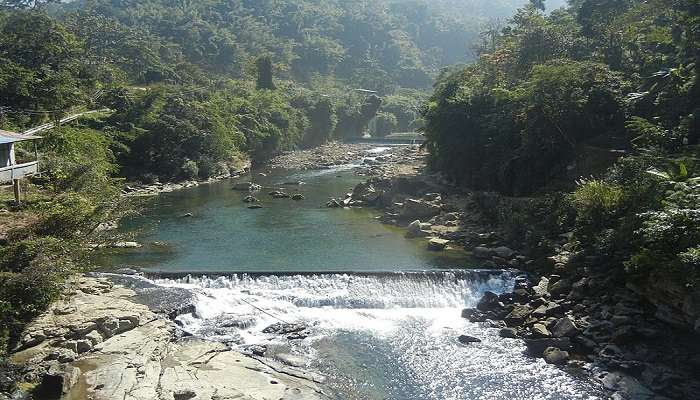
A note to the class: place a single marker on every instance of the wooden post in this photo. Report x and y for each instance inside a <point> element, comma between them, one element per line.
<point>18,191</point>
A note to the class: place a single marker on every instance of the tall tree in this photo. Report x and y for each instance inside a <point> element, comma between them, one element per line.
<point>264,66</point>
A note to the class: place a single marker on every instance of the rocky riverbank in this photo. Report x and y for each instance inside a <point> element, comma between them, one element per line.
<point>140,189</point>
<point>100,343</point>
<point>326,156</point>
<point>579,312</point>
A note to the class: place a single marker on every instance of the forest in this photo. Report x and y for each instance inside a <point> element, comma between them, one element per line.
<point>591,111</point>
<point>575,119</point>
<point>189,90</point>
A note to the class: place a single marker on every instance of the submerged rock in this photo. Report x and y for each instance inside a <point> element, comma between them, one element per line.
<point>510,333</point>
<point>466,339</point>
<point>277,194</point>
<point>281,328</point>
<point>298,197</point>
<point>333,203</point>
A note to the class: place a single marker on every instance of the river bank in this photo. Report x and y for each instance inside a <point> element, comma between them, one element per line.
<point>577,312</point>
<point>100,342</point>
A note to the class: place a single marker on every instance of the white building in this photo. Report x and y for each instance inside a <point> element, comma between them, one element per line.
<point>11,169</point>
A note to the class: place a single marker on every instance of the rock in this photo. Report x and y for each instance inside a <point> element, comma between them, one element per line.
<point>547,310</point>
<point>187,215</point>
<point>540,330</point>
<point>541,288</point>
<point>553,355</point>
<point>298,197</point>
<point>437,244</point>
<point>184,394</point>
<point>560,287</point>
<point>536,347</point>
<point>518,315</point>
<point>450,217</point>
<point>276,194</point>
<point>255,349</point>
<point>466,339</point>
<point>366,192</point>
<point>414,229</point>
<point>473,315</point>
<point>126,245</point>
<point>510,333</point>
<point>565,327</point>
<point>504,252</point>
<point>255,206</point>
<point>281,328</point>
<point>488,302</point>
<point>418,209</point>
<point>482,252</point>
<point>333,203</point>
<point>250,199</point>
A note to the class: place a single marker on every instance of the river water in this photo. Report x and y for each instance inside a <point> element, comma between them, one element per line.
<point>383,312</point>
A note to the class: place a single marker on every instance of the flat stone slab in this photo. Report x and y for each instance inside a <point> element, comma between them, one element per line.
<point>111,347</point>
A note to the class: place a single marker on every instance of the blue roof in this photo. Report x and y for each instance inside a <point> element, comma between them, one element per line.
<point>12,137</point>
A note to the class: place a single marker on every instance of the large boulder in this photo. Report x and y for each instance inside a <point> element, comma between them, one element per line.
<point>489,302</point>
<point>518,315</point>
<point>565,327</point>
<point>418,209</point>
<point>366,192</point>
<point>473,315</point>
<point>540,330</point>
<point>414,230</point>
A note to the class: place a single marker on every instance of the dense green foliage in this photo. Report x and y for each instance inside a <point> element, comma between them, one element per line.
<point>179,74</point>
<point>53,228</point>
<point>560,96</point>
<point>193,89</point>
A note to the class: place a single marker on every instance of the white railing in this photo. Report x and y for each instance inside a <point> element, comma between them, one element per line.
<point>8,174</point>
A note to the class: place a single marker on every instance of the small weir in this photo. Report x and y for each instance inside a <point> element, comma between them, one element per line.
<point>377,335</point>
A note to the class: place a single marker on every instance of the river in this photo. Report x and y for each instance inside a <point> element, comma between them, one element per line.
<point>383,312</point>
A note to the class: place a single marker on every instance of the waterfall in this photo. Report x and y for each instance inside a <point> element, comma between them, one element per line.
<point>390,335</point>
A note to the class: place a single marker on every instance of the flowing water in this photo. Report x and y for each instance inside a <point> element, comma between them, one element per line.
<point>383,312</point>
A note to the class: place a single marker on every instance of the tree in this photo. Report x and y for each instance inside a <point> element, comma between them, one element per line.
<point>25,4</point>
<point>538,4</point>
<point>264,69</point>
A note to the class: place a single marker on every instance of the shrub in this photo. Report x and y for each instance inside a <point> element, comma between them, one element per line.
<point>189,170</point>
<point>597,203</point>
<point>385,124</point>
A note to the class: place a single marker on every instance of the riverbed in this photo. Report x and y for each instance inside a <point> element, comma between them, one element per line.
<point>382,312</point>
